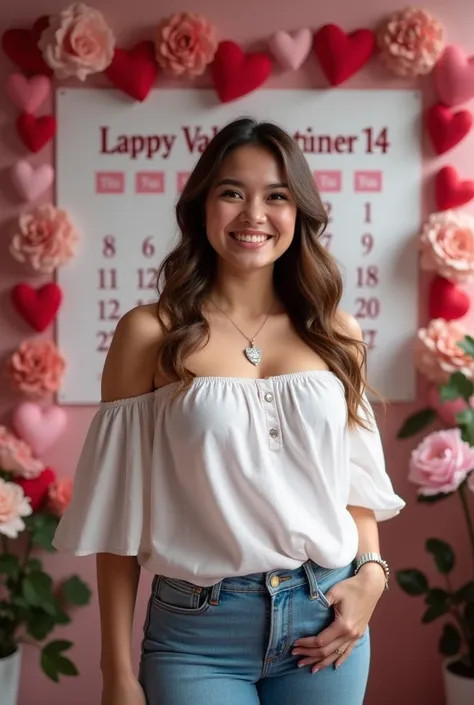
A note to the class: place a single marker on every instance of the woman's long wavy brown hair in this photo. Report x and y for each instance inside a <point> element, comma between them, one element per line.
<point>307,279</point>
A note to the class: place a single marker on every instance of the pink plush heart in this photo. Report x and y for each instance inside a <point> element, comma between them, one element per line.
<point>291,49</point>
<point>447,410</point>
<point>31,183</point>
<point>28,94</point>
<point>454,76</point>
<point>39,427</point>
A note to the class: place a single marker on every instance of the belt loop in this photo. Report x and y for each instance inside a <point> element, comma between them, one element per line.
<point>215,593</point>
<point>312,582</point>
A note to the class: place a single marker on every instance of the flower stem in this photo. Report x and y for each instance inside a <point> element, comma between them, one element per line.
<point>467,515</point>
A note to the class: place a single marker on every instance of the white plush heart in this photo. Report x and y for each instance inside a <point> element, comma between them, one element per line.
<point>291,49</point>
<point>31,183</point>
<point>39,427</point>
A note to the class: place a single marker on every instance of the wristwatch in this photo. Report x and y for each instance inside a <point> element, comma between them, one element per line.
<point>373,558</point>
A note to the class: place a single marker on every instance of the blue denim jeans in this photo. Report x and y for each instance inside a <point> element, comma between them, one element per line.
<point>231,644</point>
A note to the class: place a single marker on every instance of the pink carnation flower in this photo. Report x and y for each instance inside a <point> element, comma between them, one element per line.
<point>441,462</point>
<point>59,496</point>
<point>410,42</point>
<point>437,354</point>
<point>185,44</point>
<point>17,457</point>
<point>447,245</point>
<point>45,239</point>
<point>36,368</point>
<point>78,42</point>
<point>13,506</point>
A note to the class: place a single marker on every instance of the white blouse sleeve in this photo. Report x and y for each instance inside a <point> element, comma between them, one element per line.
<point>370,485</point>
<point>109,510</point>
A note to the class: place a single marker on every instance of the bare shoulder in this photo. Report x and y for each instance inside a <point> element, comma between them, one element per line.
<point>348,325</point>
<point>131,360</point>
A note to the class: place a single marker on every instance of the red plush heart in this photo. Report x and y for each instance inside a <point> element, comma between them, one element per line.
<point>134,72</point>
<point>21,47</point>
<point>446,300</point>
<point>37,488</point>
<point>34,131</point>
<point>341,55</point>
<point>235,73</point>
<point>447,128</point>
<point>37,306</point>
<point>451,191</point>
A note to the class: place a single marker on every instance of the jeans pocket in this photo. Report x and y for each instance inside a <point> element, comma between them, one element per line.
<point>179,596</point>
<point>331,578</point>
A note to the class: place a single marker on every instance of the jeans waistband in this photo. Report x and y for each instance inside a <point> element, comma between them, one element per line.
<point>275,581</point>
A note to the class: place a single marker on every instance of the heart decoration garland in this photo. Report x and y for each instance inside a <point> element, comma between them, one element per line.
<point>291,49</point>
<point>36,132</point>
<point>21,47</point>
<point>39,427</point>
<point>38,307</point>
<point>447,128</point>
<point>31,182</point>
<point>341,55</point>
<point>450,190</point>
<point>134,72</point>
<point>235,73</point>
<point>454,76</point>
<point>446,300</point>
<point>28,94</point>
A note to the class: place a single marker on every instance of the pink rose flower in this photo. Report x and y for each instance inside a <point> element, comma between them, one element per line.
<point>447,245</point>
<point>441,462</point>
<point>437,354</point>
<point>45,239</point>
<point>17,457</point>
<point>185,44</point>
<point>13,506</point>
<point>59,496</point>
<point>78,42</point>
<point>36,368</point>
<point>410,42</point>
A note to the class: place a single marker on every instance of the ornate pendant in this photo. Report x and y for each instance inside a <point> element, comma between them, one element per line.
<point>253,354</point>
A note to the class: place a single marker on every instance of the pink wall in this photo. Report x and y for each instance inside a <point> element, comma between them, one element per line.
<point>406,666</point>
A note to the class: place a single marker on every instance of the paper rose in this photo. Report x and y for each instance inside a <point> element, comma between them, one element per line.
<point>447,245</point>
<point>410,42</point>
<point>13,506</point>
<point>185,44</point>
<point>37,489</point>
<point>441,462</point>
<point>36,368</point>
<point>59,496</point>
<point>437,354</point>
<point>45,239</point>
<point>17,457</point>
<point>77,42</point>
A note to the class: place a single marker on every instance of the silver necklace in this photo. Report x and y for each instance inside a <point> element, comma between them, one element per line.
<point>251,352</point>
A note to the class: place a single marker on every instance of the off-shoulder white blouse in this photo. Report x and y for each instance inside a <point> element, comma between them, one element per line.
<point>234,476</point>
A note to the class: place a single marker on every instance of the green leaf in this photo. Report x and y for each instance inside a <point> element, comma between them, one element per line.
<point>436,597</point>
<point>66,666</point>
<point>57,647</point>
<point>42,528</point>
<point>467,345</point>
<point>10,565</point>
<point>433,613</point>
<point>457,386</point>
<point>467,433</point>
<point>40,624</point>
<point>76,591</point>
<point>464,594</point>
<point>417,422</point>
<point>442,553</point>
<point>34,564</point>
<point>412,581</point>
<point>52,658</point>
<point>450,641</point>
<point>37,589</point>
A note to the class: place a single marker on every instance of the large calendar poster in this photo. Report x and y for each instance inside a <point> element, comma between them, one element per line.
<point>121,166</point>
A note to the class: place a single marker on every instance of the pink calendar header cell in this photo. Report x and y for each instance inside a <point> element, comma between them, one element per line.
<point>150,182</point>
<point>328,181</point>
<point>109,182</point>
<point>367,181</point>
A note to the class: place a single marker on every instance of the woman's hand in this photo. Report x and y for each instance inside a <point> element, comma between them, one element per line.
<point>354,601</point>
<point>122,690</point>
